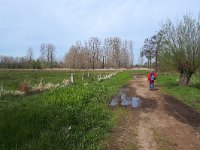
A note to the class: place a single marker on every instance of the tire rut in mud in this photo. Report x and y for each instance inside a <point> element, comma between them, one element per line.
<point>181,111</point>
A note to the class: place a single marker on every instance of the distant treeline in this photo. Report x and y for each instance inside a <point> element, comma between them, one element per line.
<point>92,54</point>
<point>96,53</point>
<point>9,62</point>
<point>47,59</point>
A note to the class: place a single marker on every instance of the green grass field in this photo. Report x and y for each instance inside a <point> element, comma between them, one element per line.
<point>11,79</point>
<point>189,95</point>
<point>72,117</point>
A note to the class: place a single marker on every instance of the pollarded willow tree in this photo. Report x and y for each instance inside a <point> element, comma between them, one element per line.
<point>182,46</point>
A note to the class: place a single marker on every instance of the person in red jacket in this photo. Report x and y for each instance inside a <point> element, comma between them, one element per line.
<point>151,77</point>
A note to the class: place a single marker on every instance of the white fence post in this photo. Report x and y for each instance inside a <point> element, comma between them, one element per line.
<point>99,77</point>
<point>72,78</point>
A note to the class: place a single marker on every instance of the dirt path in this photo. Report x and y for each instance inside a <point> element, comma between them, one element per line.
<point>161,122</point>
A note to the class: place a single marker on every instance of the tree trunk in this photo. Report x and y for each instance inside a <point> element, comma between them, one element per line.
<point>93,62</point>
<point>156,60</point>
<point>148,62</point>
<point>119,64</point>
<point>103,62</point>
<point>185,78</point>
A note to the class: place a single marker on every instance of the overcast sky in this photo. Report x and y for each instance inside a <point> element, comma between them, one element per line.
<point>29,23</point>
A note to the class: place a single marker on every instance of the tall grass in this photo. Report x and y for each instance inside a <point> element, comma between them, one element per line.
<point>75,117</point>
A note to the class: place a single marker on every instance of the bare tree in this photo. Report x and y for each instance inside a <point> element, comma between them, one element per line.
<point>105,53</point>
<point>43,54</point>
<point>94,47</point>
<point>87,56</point>
<point>47,54</point>
<point>130,52</point>
<point>71,58</point>
<point>148,51</point>
<point>108,52</point>
<point>141,59</point>
<point>30,54</point>
<point>50,49</point>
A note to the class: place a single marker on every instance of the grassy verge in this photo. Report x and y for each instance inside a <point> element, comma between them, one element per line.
<point>189,95</point>
<point>75,117</point>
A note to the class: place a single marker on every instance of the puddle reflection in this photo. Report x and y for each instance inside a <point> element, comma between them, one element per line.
<point>125,100</point>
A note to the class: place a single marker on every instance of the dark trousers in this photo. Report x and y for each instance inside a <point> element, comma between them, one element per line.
<point>151,86</point>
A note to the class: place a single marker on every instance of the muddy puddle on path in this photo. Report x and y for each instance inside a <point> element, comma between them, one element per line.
<point>124,100</point>
<point>127,98</point>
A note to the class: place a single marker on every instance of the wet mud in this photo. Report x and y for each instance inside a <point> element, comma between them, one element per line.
<point>181,111</point>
